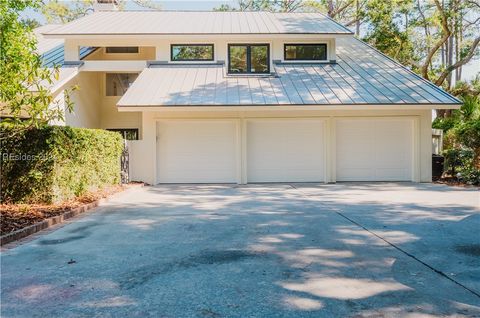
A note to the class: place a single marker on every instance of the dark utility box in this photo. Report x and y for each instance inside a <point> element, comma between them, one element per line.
<point>437,166</point>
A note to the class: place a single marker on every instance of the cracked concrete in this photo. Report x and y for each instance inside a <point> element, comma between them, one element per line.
<point>276,250</point>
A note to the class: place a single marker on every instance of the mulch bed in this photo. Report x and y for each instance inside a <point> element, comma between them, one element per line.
<point>453,182</point>
<point>18,216</point>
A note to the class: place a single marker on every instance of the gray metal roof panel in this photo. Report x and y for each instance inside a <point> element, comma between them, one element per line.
<point>199,22</point>
<point>55,56</point>
<point>362,76</point>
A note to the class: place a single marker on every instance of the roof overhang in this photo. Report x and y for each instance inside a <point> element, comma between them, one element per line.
<point>226,108</point>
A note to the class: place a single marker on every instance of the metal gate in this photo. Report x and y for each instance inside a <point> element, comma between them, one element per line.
<point>124,163</point>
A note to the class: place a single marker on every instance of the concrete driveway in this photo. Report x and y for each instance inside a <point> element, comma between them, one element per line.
<point>344,250</point>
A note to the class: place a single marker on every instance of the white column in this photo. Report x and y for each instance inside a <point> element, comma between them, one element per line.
<point>71,51</point>
<point>425,132</point>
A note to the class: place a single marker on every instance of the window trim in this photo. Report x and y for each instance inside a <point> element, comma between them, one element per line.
<point>121,130</point>
<point>107,47</point>
<point>304,44</point>
<point>192,44</point>
<point>249,59</point>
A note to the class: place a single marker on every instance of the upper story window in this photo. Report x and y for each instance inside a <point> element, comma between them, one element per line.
<point>248,58</point>
<point>118,83</point>
<point>122,49</point>
<point>191,52</point>
<point>305,52</point>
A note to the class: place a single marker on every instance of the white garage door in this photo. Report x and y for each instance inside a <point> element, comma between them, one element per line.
<point>285,150</point>
<point>196,151</point>
<point>374,149</point>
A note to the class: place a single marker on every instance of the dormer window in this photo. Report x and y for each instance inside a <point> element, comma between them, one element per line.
<point>248,58</point>
<point>305,52</point>
<point>122,49</point>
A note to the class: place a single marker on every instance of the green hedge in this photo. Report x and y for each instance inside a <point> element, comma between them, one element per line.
<point>55,163</point>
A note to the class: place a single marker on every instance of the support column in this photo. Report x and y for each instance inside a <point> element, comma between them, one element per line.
<point>71,51</point>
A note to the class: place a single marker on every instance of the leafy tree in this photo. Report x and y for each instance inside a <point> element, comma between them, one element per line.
<point>64,11</point>
<point>448,37</point>
<point>24,94</point>
<point>386,33</point>
<point>31,23</point>
<point>56,11</point>
<point>264,5</point>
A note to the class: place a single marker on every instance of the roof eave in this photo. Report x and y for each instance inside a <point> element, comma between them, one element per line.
<point>264,107</point>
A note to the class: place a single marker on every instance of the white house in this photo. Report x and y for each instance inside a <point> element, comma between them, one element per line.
<point>242,97</point>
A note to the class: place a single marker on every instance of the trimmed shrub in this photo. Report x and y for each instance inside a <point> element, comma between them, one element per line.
<point>56,163</point>
<point>469,135</point>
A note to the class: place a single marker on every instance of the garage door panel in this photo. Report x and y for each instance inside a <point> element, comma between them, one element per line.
<point>373,149</point>
<point>196,151</point>
<point>285,150</point>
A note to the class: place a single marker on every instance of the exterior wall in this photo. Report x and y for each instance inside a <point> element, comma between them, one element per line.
<point>86,100</point>
<point>145,169</point>
<point>110,117</point>
<point>159,48</point>
<point>138,171</point>
<point>92,108</point>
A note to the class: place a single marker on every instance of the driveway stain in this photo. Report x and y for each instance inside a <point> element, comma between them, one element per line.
<point>62,240</point>
<point>82,228</point>
<point>472,249</point>
<point>144,274</point>
<point>209,313</point>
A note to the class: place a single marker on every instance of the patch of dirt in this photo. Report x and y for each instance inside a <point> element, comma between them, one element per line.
<point>17,216</point>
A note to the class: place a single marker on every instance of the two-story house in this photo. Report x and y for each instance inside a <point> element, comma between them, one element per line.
<point>242,97</point>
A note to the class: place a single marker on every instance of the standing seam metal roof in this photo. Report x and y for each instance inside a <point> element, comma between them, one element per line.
<point>200,22</point>
<point>362,75</point>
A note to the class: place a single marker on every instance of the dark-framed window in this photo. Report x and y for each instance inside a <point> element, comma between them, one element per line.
<point>122,49</point>
<point>127,133</point>
<point>305,52</point>
<point>248,58</point>
<point>191,52</point>
<point>117,84</point>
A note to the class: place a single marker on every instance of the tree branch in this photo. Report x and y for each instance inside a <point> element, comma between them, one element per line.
<point>440,42</point>
<point>459,63</point>
<point>339,10</point>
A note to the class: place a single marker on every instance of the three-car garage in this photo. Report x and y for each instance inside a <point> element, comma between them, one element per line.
<point>313,149</point>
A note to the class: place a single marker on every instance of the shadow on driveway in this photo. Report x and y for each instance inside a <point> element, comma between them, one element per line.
<point>303,250</point>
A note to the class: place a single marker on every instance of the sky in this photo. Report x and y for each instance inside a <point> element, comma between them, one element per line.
<point>469,71</point>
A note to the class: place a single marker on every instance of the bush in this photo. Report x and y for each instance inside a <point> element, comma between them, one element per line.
<point>470,175</point>
<point>459,164</point>
<point>55,163</point>
<point>457,158</point>
<point>468,134</point>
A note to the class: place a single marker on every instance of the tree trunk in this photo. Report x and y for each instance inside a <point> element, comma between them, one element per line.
<point>330,8</point>
<point>357,14</point>
<point>458,44</point>
<point>450,61</point>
